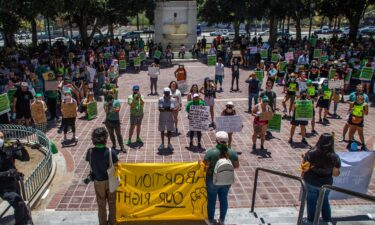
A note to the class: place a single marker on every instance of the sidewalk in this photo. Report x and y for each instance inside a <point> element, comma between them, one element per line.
<point>343,215</point>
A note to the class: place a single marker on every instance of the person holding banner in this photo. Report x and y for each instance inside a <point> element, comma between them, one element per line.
<point>296,122</point>
<point>292,88</point>
<point>39,116</point>
<point>358,110</point>
<point>195,101</point>
<point>319,166</point>
<point>136,103</point>
<point>229,111</point>
<point>21,104</point>
<point>260,124</point>
<point>325,95</point>
<point>208,90</point>
<point>69,115</point>
<point>210,160</point>
<point>167,105</point>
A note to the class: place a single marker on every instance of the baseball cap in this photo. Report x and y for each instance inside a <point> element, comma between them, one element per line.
<point>38,95</point>
<point>230,103</point>
<point>135,87</point>
<point>24,84</point>
<point>167,90</point>
<point>265,99</point>
<point>221,136</point>
<point>309,81</point>
<point>196,96</point>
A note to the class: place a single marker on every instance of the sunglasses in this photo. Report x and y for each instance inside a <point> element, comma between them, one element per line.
<point>230,107</point>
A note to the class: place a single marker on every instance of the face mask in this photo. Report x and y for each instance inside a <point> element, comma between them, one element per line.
<point>68,98</point>
<point>1,142</point>
<point>292,79</point>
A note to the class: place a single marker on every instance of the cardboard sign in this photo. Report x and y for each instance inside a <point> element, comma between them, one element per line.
<point>289,56</point>
<point>317,53</point>
<point>229,124</point>
<point>366,73</point>
<point>332,73</point>
<point>266,116</point>
<point>49,75</point>
<point>122,64</point>
<point>199,118</point>
<point>157,54</point>
<point>211,60</point>
<point>275,123</point>
<point>260,75</point>
<point>4,104</point>
<point>275,57</point>
<point>323,58</point>
<point>69,110</point>
<point>304,110</point>
<point>336,84</point>
<point>51,85</point>
<point>92,110</point>
<point>236,54</point>
<point>38,112</point>
<point>264,53</point>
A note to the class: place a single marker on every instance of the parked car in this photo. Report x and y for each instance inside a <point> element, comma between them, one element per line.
<point>131,35</point>
<point>370,30</point>
<point>323,30</point>
<point>220,32</point>
<point>230,35</point>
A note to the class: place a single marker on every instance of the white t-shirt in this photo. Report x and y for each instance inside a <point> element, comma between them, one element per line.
<point>153,72</point>
<point>219,69</point>
<point>177,96</point>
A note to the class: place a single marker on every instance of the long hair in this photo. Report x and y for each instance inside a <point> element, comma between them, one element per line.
<point>324,151</point>
<point>224,151</point>
<point>192,86</point>
<point>170,84</point>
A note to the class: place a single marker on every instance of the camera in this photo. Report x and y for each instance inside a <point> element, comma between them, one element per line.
<point>88,179</point>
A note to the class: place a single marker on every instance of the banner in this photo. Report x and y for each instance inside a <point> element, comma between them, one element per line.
<point>4,104</point>
<point>275,123</point>
<point>260,75</point>
<point>274,57</point>
<point>211,60</point>
<point>51,85</point>
<point>356,171</point>
<point>348,76</point>
<point>304,110</point>
<point>332,73</point>
<point>199,118</point>
<point>317,53</point>
<point>366,73</point>
<point>157,54</point>
<point>122,64</point>
<point>11,93</point>
<point>336,84</point>
<point>264,53</point>
<point>38,112</point>
<point>289,56</point>
<point>323,58</point>
<point>92,110</point>
<point>137,61</point>
<point>161,191</point>
<point>229,124</point>
<point>282,66</point>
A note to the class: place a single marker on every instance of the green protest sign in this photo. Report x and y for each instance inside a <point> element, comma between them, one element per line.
<point>317,53</point>
<point>264,53</point>
<point>304,110</point>
<point>107,55</point>
<point>122,64</point>
<point>112,75</point>
<point>274,57</point>
<point>137,61</point>
<point>157,54</point>
<point>366,73</point>
<point>332,73</point>
<point>313,41</point>
<point>348,76</point>
<point>282,66</point>
<point>259,74</point>
<point>211,60</point>
<point>275,123</point>
<point>356,73</point>
<point>142,56</point>
<point>92,110</point>
<point>323,58</point>
<point>11,93</point>
<point>4,104</point>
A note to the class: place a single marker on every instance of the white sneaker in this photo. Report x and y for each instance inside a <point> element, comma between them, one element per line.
<point>161,147</point>
<point>208,222</point>
<point>170,147</point>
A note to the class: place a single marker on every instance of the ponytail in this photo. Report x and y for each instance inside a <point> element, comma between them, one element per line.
<point>224,151</point>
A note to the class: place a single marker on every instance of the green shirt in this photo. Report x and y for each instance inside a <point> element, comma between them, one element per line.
<point>200,102</point>
<point>212,156</point>
<point>137,109</point>
<point>111,115</point>
<point>51,94</point>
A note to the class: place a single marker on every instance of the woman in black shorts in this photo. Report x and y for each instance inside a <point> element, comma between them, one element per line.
<point>295,123</point>
<point>358,110</point>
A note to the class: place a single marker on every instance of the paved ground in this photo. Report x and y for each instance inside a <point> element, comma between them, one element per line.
<point>273,191</point>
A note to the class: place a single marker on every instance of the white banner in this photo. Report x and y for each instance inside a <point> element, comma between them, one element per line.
<point>336,84</point>
<point>199,118</point>
<point>229,123</point>
<point>289,56</point>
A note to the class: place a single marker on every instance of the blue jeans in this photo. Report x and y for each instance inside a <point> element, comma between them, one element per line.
<point>311,200</point>
<point>252,96</point>
<point>212,192</point>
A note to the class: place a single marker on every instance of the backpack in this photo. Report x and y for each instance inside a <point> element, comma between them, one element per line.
<point>223,172</point>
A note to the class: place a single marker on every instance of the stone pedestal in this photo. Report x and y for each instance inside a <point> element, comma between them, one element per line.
<point>176,23</point>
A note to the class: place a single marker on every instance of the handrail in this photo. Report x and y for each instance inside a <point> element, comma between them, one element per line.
<point>324,188</point>
<point>304,190</point>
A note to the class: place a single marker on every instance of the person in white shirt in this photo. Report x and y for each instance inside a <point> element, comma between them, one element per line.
<point>176,95</point>
<point>303,59</point>
<point>153,72</point>
<point>219,73</point>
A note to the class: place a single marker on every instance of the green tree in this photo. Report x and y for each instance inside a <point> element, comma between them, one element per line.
<point>9,20</point>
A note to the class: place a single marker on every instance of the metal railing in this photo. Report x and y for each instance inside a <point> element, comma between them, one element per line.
<point>31,136</point>
<point>304,190</point>
<point>324,188</point>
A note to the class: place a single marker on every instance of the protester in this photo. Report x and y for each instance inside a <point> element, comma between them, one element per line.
<point>260,125</point>
<point>254,89</point>
<point>295,122</point>
<point>219,73</point>
<point>292,88</point>
<point>323,102</point>
<point>154,72</point>
<point>167,105</point>
<point>112,122</point>
<point>196,101</point>
<point>193,90</point>
<point>40,121</point>
<point>21,104</point>
<point>208,90</point>
<point>358,110</point>
<point>212,156</point>
<point>98,158</point>
<point>89,99</point>
<point>229,111</point>
<point>180,73</point>
<point>272,72</point>
<point>176,95</point>
<point>136,103</point>
<point>318,167</point>
<point>312,94</point>
<point>336,98</point>
<point>235,72</point>
<point>69,118</point>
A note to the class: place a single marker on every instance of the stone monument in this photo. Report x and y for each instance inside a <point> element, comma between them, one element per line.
<point>176,23</point>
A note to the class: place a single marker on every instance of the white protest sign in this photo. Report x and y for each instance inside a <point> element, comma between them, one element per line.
<point>229,123</point>
<point>253,50</point>
<point>92,72</point>
<point>289,56</point>
<point>153,70</point>
<point>336,84</point>
<point>199,118</point>
<point>356,171</point>
<point>51,85</point>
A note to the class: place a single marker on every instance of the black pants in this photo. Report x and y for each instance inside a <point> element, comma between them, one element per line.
<point>69,122</point>
<point>21,211</point>
<point>199,135</point>
<point>112,128</point>
<point>52,105</point>
<point>235,76</point>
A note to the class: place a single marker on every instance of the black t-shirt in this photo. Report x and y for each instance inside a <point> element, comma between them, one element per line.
<point>100,162</point>
<point>321,172</point>
<point>23,99</point>
<point>271,96</point>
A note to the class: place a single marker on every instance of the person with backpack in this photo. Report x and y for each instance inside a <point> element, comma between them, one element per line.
<point>219,165</point>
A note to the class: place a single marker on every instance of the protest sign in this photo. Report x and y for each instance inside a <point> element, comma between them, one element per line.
<point>211,60</point>
<point>289,56</point>
<point>49,75</point>
<point>253,50</point>
<point>142,56</point>
<point>236,54</point>
<point>304,110</point>
<point>51,85</point>
<point>122,64</point>
<point>4,104</point>
<point>38,112</point>
<point>336,84</point>
<point>274,57</point>
<point>229,123</point>
<point>107,55</point>
<point>348,76</point>
<point>332,73</point>
<point>112,75</point>
<point>265,116</point>
<point>182,86</point>
<point>282,66</point>
<point>69,110</point>
<point>356,73</point>
<point>355,173</point>
<point>137,61</point>
<point>264,53</point>
<point>323,58</point>
<point>92,73</point>
<point>317,53</point>
<point>275,123</point>
<point>161,191</point>
<point>199,118</point>
<point>92,110</point>
<point>157,54</point>
<point>260,75</point>
<point>366,73</point>
<point>11,93</point>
